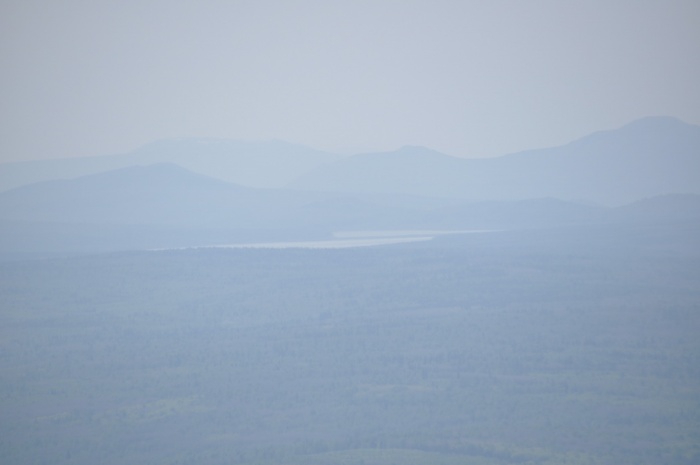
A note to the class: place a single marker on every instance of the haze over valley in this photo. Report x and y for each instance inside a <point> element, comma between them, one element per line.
<point>180,193</point>
<point>409,306</point>
<point>357,233</point>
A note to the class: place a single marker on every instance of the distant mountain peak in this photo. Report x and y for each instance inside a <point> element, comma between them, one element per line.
<point>656,121</point>
<point>653,124</point>
<point>650,156</point>
<point>223,144</point>
<point>160,170</point>
<point>416,152</point>
<point>650,129</point>
<point>418,149</point>
<point>414,148</point>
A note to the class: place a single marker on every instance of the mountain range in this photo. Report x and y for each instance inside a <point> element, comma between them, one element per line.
<point>648,157</point>
<point>165,194</point>
<point>166,206</point>
<point>252,163</point>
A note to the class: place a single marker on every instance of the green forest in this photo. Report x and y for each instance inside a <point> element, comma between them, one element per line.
<point>544,346</point>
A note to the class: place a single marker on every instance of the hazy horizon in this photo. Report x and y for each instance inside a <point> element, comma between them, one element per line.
<point>464,78</point>
<point>341,152</point>
<point>306,232</point>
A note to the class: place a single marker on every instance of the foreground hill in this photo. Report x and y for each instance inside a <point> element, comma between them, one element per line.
<point>651,156</point>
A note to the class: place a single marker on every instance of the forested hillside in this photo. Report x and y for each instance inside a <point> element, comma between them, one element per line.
<point>560,346</point>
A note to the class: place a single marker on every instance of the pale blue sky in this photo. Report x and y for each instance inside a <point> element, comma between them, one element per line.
<point>469,78</point>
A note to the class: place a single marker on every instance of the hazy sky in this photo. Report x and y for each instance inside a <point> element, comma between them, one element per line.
<point>469,78</point>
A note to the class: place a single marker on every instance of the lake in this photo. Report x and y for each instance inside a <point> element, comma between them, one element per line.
<point>349,239</point>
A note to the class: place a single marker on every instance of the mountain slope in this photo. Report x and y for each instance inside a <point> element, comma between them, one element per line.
<point>169,195</point>
<point>661,209</point>
<point>408,170</point>
<point>651,156</point>
<point>164,205</point>
<point>648,157</point>
<point>154,194</point>
<point>255,164</point>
